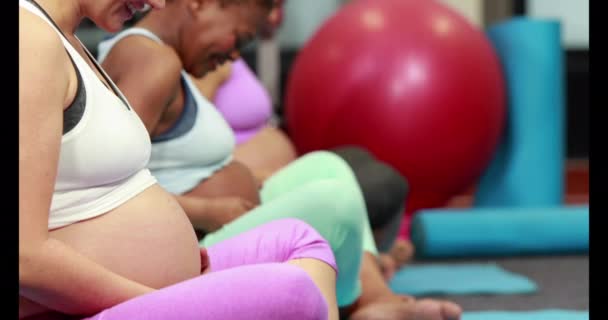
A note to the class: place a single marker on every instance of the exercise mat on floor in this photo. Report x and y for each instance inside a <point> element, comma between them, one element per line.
<point>456,279</point>
<point>549,314</point>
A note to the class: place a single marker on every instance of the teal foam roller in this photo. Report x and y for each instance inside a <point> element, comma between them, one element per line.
<point>528,167</point>
<point>478,232</point>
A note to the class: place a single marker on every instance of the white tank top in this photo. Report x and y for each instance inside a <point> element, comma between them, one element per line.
<point>199,144</point>
<point>103,158</point>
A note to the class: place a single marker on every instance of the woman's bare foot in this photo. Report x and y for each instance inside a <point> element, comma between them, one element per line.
<point>397,307</point>
<point>402,252</point>
<point>378,302</point>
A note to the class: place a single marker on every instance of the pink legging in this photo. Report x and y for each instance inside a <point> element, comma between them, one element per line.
<point>248,280</point>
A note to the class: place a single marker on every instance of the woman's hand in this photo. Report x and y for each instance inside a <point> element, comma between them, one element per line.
<point>222,210</point>
<point>212,81</point>
<point>222,73</point>
<point>205,261</point>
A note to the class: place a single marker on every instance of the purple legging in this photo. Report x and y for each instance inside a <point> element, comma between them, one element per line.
<point>248,280</point>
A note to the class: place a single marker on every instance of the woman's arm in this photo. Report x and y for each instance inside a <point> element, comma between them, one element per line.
<point>50,272</point>
<point>210,214</point>
<point>148,74</point>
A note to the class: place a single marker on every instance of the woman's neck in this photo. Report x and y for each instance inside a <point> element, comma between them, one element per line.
<point>67,14</point>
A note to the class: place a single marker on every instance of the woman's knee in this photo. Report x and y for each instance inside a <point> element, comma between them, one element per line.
<point>384,188</point>
<point>341,187</point>
<point>353,154</point>
<point>341,206</point>
<point>304,241</point>
<point>385,191</point>
<point>328,161</point>
<point>347,201</point>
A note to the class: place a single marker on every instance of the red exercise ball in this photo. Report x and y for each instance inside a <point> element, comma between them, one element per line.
<point>412,81</point>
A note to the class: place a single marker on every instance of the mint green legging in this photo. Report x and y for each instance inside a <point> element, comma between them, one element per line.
<point>320,189</point>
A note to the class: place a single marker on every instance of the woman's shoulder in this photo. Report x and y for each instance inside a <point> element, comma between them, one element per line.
<point>42,54</point>
<point>35,32</point>
<point>140,55</point>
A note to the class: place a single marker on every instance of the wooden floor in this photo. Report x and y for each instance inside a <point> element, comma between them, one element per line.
<point>577,186</point>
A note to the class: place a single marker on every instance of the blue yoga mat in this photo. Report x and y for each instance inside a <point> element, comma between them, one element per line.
<point>463,279</point>
<point>479,232</point>
<point>550,314</point>
<point>528,167</point>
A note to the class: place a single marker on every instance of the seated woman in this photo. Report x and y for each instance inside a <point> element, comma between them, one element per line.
<point>98,237</point>
<point>245,105</point>
<point>249,115</point>
<point>263,147</point>
<point>192,149</point>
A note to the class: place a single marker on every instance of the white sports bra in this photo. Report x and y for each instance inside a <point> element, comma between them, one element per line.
<point>200,143</point>
<point>103,158</point>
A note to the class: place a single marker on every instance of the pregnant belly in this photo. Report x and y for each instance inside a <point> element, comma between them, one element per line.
<point>148,239</point>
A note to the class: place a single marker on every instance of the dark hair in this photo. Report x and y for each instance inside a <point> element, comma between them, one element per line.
<point>266,4</point>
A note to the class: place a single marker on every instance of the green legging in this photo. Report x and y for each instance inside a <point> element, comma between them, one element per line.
<point>320,189</point>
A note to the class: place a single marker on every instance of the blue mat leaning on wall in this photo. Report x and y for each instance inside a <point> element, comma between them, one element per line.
<point>528,168</point>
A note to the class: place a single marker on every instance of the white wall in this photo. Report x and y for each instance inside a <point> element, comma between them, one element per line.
<point>303,17</point>
<point>574,15</point>
<point>470,9</point>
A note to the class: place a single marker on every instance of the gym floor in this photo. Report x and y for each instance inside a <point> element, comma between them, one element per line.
<point>563,281</point>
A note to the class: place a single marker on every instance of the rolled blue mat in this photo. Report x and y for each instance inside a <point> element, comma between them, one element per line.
<point>528,168</point>
<point>479,232</point>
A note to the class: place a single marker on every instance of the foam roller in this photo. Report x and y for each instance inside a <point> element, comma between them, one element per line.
<point>478,232</point>
<point>528,167</point>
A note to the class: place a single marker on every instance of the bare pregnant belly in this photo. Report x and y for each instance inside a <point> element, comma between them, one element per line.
<point>148,239</point>
<point>234,180</point>
<point>278,151</point>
